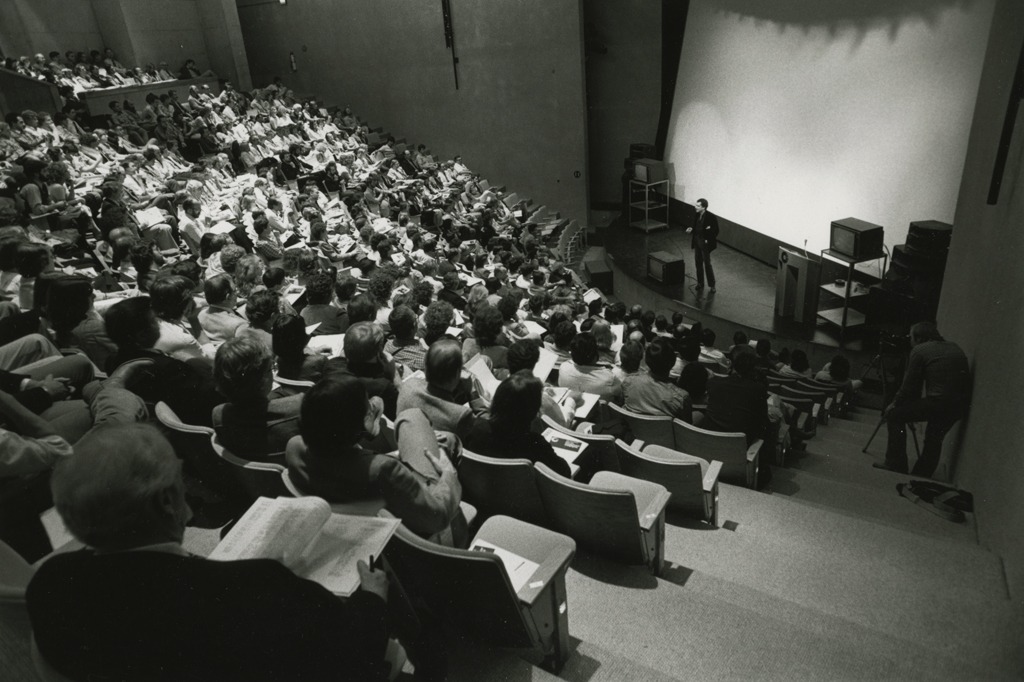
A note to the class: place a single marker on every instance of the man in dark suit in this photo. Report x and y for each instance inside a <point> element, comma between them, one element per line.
<point>136,605</point>
<point>705,240</point>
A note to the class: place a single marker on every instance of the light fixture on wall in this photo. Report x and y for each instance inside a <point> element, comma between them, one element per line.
<point>284,2</point>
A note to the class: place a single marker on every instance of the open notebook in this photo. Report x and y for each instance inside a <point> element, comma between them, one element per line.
<point>307,537</point>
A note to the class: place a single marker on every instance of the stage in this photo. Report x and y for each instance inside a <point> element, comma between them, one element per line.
<point>744,297</point>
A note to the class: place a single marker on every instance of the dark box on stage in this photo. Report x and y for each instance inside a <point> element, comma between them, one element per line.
<point>666,267</point>
<point>599,275</point>
<point>856,238</point>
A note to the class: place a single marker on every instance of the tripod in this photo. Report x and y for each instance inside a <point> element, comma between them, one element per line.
<point>878,364</point>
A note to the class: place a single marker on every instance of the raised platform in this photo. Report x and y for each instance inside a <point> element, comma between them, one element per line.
<point>745,296</point>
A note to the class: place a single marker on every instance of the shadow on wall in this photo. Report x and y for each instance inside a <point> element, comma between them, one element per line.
<point>864,15</point>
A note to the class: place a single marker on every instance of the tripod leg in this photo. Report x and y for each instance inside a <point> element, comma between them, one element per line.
<point>873,434</point>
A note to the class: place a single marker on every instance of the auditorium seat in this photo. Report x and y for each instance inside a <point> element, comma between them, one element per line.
<point>501,486</point>
<point>692,481</point>
<point>648,428</point>
<point>617,516</point>
<point>739,461</point>
<point>472,591</point>
<point>255,479</point>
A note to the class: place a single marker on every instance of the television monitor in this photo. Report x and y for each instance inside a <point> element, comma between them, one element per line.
<point>649,170</point>
<point>856,239</point>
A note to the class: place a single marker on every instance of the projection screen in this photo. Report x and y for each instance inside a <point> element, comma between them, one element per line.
<point>788,115</point>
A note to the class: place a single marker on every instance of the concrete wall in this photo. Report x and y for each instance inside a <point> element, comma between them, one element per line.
<point>982,303</point>
<point>30,26</point>
<point>623,87</point>
<point>518,117</point>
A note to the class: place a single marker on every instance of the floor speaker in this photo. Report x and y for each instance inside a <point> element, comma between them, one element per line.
<point>599,275</point>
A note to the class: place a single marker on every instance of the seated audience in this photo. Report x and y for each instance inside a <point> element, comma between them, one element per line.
<point>294,360</point>
<point>418,483</point>
<point>251,424</point>
<point>584,374</point>
<point>406,348</point>
<point>443,395</point>
<point>655,392</point>
<point>95,613</point>
<point>187,388</point>
<point>219,319</point>
<point>318,310</point>
<point>507,433</point>
<point>365,360</point>
<point>798,365</point>
<point>739,402</point>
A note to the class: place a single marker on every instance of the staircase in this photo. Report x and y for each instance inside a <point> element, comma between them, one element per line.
<point>830,575</point>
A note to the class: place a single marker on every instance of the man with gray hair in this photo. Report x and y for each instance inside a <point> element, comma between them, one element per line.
<point>136,605</point>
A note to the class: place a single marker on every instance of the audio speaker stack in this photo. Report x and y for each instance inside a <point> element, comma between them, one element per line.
<point>916,271</point>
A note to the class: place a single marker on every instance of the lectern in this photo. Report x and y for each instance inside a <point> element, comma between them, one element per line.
<point>796,285</point>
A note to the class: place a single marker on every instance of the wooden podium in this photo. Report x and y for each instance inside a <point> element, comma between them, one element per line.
<point>796,281</point>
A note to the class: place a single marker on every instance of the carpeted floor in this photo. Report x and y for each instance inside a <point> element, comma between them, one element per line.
<point>830,575</point>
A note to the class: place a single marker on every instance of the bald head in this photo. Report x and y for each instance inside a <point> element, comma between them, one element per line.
<point>443,364</point>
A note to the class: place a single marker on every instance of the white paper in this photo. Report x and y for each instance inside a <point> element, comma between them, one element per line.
<point>305,536</point>
<point>566,447</point>
<point>334,342</point>
<point>618,330</point>
<point>488,383</point>
<point>545,363</point>
<point>310,328</point>
<point>519,569</point>
<point>342,541</point>
<point>149,217</point>
<point>534,327</point>
<point>274,529</point>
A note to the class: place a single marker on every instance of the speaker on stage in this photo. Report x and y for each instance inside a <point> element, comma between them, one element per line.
<point>641,150</point>
<point>796,281</point>
<point>600,275</point>
<point>666,267</point>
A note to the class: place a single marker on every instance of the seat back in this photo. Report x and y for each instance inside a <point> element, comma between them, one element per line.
<point>728,448</point>
<point>501,486</point>
<point>648,428</point>
<point>683,477</point>
<point>602,520</point>
<point>469,589</point>
<point>255,479</point>
<point>367,507</point>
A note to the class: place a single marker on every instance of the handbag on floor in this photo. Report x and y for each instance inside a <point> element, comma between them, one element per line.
<point>941,500</point>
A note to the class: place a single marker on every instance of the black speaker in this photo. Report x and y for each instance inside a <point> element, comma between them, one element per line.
<point>641,150</point>
<point>599,275</point>
<point>929,235</point>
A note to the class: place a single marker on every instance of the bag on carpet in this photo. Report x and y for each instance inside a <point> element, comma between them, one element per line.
<point>941,500</point>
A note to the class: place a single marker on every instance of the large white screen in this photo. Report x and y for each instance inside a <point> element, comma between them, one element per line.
<point>786,124</point>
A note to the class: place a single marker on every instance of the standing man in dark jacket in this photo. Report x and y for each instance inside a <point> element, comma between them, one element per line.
<point>940,368</point>
<point>704,241</point>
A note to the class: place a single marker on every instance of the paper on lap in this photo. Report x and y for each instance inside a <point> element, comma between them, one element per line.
<point>304,535</point>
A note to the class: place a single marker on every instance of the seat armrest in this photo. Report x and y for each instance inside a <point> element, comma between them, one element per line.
<point>654,510</point>
<point>651,498</point>
<point>753,449</point>
<point>550,550</point>
<point>711,476</point>
<point>637,444</point>
<point>814,410</point>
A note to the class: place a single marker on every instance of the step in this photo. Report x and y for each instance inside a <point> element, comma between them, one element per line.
<point>879,576</point>
<point>695,625</point>
<point>882,506</point>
